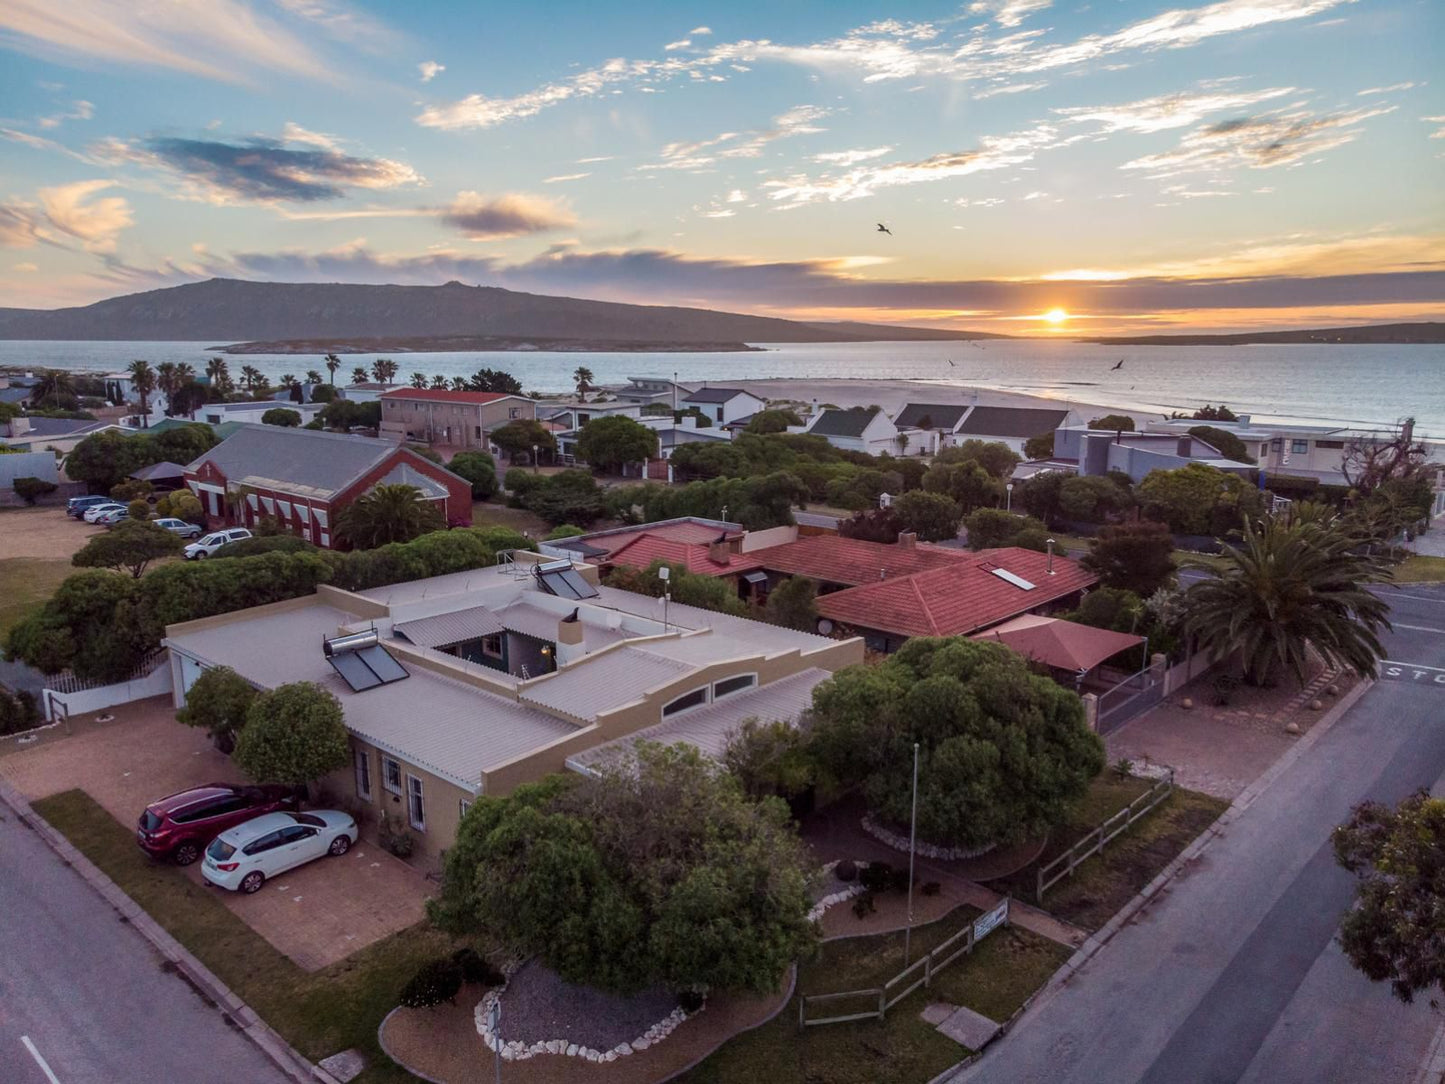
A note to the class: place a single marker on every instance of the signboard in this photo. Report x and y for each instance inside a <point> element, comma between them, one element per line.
<point>986,923</point>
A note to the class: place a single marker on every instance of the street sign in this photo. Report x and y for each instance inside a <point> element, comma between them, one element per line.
<point>985,924</point>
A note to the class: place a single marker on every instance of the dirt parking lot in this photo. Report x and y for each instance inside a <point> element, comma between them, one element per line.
<point>42,533</point>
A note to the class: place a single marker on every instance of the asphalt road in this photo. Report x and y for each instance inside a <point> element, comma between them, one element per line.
<point>84,993</point>
<point>1233,976</point>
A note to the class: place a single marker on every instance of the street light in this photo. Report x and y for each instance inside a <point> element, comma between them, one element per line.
<point>536,464</point>
<point>912,838</point>
<point>1009,490</point>
<point>665,574</point>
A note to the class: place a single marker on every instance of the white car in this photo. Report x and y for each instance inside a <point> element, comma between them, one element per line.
<point>241,858</point>
<point>111,516</point>
<point>94,513</point>
<point>204,547</point>
<point>179,526</point>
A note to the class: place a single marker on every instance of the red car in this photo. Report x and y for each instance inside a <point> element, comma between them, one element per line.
<point>180,826</point>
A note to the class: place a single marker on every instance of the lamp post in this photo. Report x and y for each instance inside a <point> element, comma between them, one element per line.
<point>1009,492</point>
<point>665,574</point>
<point>536,462</point>
<point>495,1013</point>
<point>912,839</point>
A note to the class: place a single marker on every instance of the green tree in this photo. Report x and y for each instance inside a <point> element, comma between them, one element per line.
<point>478,468</point>
<point>384,369</point>
<point>606,444</point>
<point>77,629</point>
<point>934,517</point>
<point>1220,413</point>
<point>285,417</point>
<point>569,496</point>
<point>359,375</point>
<point>990,528</point>
<point>1039,447</point>
<point>143,383</point>
<point>1137,557</point>
<point>253,380</point>
<point>566,530</point>
<point>1004,753</point>
<point>775,420</point>
<point>1290,587</point>
<point>181,443</point>
<point>129,546</point>
<point>659,870</point>
<point>519,437</point>
<point>388,513</point>
<point>218,372</point>
<point>294,734</point>
<point>418,380</point>
<point>332,363</point>
<point>1393,933</point>
<point>497,381</point>
<point>1117,423</point>
<point>1092,498</point>
<point>55,387</point>
<point>792,604</point>
<point>104,460</point>
<point>582,377</point>
<point>1041,495</point>
<point>1229,445</point>
<point>30,489</point>
<point>994,456</point>
<point>770,759</point>
<point>968,483</point>
<point>682,586</point>
<point>218,702</point>
<point>1197,499</point>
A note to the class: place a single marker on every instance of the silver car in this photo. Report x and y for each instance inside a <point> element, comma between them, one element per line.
<point>179,527</point>
<point>243,857</point>
<point>94,512</point>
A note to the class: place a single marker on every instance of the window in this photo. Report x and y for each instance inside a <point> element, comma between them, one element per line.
<point>1277,444</point>
<point>363,774</point>
<point>464,805</point>
<point>492,646</point>
<point>391,775</point>
<point>693,699</point>
<point>296,833</point>
<point>478,429</point>
<point>733,685</point>
<point>1299,447</point>
<point>267,842</point>
<point>415,807</point>
<point>1329,444</point>
<point>719,413</point>
<point>514,412</point>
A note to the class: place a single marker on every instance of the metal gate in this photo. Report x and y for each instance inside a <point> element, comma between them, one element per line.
<point>1135,694</point>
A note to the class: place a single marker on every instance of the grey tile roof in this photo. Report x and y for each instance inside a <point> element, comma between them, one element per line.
<point>450,628</point>
<point>930,415</point>
<point>714,395</point>
<point>709,728</point>
<point>1017,422</point>
<point>159,470</point>
<point>407,475</point>
<point>303,461</point>
<point>842,423</point>
<point>60,427</point>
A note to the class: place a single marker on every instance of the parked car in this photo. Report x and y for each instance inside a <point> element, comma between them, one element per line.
<point>78,506</point>
<point>111,516</point>
<point>179,827</point>
<point>95,511</point>
<point>242,858</point>
<point>180,527</point>
<point>204,547</point>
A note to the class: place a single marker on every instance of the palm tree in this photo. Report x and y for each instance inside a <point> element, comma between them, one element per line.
<point>384,369</point>
<point>583,378</point>
<point>185,373</point>
<point>143,381</point>
<point>332,364</point>
<point>313,377</point>
<point>387,513</point>
<point>418,380</point>
<point>1293,585</point>
<point>289,381</point>
<point>460,383</point>
<point>439,382</point>
<point>54,386</point>
<point>359,375</point>
<point>251,379</point>
<point>219,374</point>
<point>166,381</point>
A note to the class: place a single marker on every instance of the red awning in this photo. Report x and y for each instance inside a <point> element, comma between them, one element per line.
<point>1062,644</point>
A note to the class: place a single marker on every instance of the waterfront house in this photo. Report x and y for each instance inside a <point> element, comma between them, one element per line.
<point>461,419</point>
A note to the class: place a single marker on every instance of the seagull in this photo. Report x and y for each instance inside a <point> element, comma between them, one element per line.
<point>884,229</point>
<point>1119,366</point>
<point>950,361</point>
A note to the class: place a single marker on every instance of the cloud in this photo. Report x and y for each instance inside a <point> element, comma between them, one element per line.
<point>563,178</point>
<point>798,121</point>
<point>19,225</point>
<point>1282,138</point>
<point>94,222</point>
<point>1439,133</point>
<point>262,170</point>
<point>1386,90</point>
<point>479,111</point>
<point>1170,110</point>
<point>1008,13</point>
<point>672,46</point>
<point>220,39</point>
<point>851,158</point>
<point>512,215</point>
<point>294,133</point>
<point>344,22</point>
<point>27,267</point>
<point>430,69</point>
<point>80,110</point>
<point>700,31</point>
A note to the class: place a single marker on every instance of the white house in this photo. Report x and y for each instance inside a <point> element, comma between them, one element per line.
<point>574,415</point>
<point>216,413</point>
<point>646,390</point>
<point>859,429</point>
<point>723,405</point>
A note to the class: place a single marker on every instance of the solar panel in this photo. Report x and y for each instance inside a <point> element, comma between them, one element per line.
<point>566,583</point>
<point>355,672</point>
<point>1008,577</point>
<point>580,587</point>
<point>382,664</point>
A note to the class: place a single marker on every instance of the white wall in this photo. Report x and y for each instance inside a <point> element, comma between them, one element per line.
<point>156,683</point>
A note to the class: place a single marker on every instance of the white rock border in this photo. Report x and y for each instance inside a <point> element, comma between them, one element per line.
<point>927,850</point>
<point>515,1050</point>
<point>835,898</point>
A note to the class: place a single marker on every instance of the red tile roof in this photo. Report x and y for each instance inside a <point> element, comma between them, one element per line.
<point>645,548</point>
<point>440,395</point>
<point>673,532</point>
<point>834,559</point>
<point>959,597</point>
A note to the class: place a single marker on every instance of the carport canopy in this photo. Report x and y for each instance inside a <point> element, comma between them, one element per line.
<point>1065,645</point>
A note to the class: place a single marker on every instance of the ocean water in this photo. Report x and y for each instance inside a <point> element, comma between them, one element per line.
<point>1345,385</point>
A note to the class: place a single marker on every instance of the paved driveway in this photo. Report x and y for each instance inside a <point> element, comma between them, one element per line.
<point>317,914</point>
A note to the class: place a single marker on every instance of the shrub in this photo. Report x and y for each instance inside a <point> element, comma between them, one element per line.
<point>876,876</point>
<point>17,711</point>
<point>690,1001</point>
<point>139,510</point>
<point>293,734</point>
<point>567,530</point>
<point>437,981</point>
<point>931,888</point>
<point>478,468</point>
<point>130,489</point>
<point>394,837</point>
<point>476,971</point>
<point>989,528</point>
<point>282,416</point>
<point>31,490</point>
<point>863,905</point>
<point>846,870</point>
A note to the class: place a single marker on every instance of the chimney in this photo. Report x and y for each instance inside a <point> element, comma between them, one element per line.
<point>907,540</point>
<point>1051,556</point>
<point>1184,447</point>
<point>1407,431</point>
<point>718,551</point>
<point>569,630</point>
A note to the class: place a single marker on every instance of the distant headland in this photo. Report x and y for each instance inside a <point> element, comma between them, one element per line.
<point>1368,334</point>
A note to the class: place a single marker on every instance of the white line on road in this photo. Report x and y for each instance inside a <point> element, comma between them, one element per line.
<point>1418,598</point>
<point>1413,665</point>
<point>44,1068</point>
<point>1419,628</point>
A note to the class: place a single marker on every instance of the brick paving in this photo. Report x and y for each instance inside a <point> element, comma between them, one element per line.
<point>317,914</point>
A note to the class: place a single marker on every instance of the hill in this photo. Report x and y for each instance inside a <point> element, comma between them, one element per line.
<point>323,313</point>
<point>1362,335</point>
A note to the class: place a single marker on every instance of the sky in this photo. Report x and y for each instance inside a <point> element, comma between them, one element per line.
<point>1042,167</point>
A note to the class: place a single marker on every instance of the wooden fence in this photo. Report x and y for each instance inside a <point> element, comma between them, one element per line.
<point>1094,843</point>
<point>874,1003</point>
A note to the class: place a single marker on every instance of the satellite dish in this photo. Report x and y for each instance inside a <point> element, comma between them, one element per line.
<point>825,626</point>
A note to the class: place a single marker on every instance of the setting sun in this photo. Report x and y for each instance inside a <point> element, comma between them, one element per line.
<point>1056,316</point>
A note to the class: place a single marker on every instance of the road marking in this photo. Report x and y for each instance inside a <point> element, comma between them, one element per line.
<point>1419,628</point>
<point>44,1068</point>
<point>1419,598</point>
<point>1412,665</point>
<point>1409,671</point>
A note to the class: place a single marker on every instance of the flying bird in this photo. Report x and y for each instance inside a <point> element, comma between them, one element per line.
<point>1119,366</point>
<point>884,229</point>
<point>950,361</point>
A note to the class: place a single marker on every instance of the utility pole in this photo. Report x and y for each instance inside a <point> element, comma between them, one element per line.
<point>912,840</point>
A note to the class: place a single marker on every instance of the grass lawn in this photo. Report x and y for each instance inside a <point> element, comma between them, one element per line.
<point>319,1013</point>
<point>496,514</point>
<point>25,583</point>
<point>1106,882</point>
<point>995,979</point>
<point>1420,569</point>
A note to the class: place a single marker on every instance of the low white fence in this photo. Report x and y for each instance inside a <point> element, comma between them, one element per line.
<point>60,704</point>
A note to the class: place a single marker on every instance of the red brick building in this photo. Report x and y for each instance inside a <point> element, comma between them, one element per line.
<point>304,478</point>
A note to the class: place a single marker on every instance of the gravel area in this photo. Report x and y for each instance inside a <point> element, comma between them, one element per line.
<point>537,1005</point>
